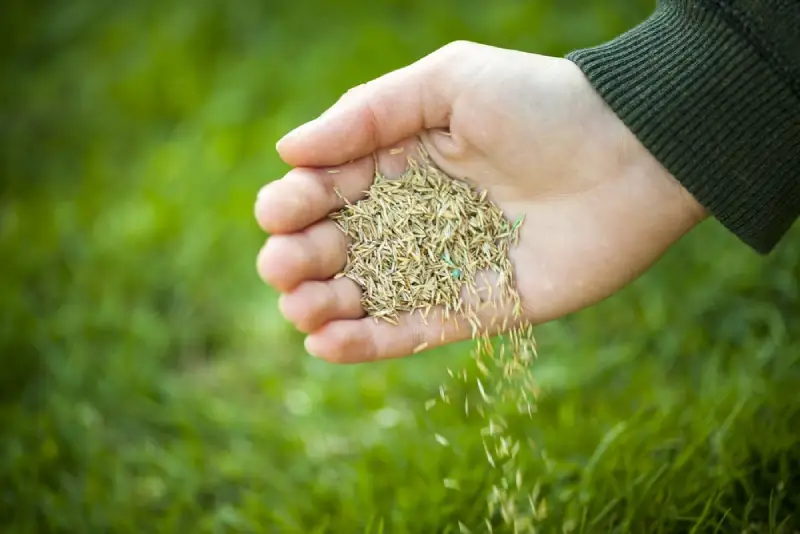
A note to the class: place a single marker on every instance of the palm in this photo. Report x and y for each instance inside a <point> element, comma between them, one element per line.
<point>598,209</point>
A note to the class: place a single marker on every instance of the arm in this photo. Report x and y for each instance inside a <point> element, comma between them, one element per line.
<point>712,89</point>
<point>612,156</point>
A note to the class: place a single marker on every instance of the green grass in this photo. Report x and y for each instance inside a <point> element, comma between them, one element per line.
<point>149,384</point>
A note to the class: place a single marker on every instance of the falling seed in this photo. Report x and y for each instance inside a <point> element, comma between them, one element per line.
<point>452,484</point>
<point>421,242</point>
<point>482,391</point>
<point>515,449</point>
<point>442,440</point>
<point>420,347</point>
<point>489,457</point>
<point>342,198</point>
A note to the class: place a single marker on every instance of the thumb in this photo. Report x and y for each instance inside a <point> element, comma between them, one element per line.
<point>374,115</point>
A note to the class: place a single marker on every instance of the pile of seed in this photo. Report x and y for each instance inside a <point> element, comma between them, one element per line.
<point>419,240</point>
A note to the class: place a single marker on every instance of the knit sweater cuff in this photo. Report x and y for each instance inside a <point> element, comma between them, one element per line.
<point>709,106</point>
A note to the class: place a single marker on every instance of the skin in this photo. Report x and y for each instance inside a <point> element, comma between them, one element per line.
<point>599,209</point>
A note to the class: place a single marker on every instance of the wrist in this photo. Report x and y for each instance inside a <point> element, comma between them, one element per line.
<point>616,153</point>
<point>708,102</point>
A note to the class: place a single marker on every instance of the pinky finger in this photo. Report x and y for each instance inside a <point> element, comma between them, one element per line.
<point>367,340</point>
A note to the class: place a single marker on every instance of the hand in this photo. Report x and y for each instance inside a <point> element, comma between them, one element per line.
<point>599,209</point>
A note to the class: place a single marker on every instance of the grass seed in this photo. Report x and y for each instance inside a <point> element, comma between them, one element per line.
<point>419,242</point>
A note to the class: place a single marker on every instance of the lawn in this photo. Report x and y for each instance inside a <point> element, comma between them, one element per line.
<point>150,385</point>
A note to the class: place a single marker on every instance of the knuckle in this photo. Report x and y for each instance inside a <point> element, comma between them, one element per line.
<point>305,306</point>
<point>371,121</point>
<point>326,246</point>
<point>292,208</point>
<point>329,298</point>
<point>354,346</point>
<point>444,67</point>
<point>348,298</point>
<point>363,99</point>
<point>355,89</point>
<point>307,189</point>
<point>350,94</point>
<point>319,187</point>
<point>316,306</point>
<point>456,49</point>
<point>311,259</point>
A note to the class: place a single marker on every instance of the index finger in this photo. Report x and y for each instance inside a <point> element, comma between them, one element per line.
<point>371,116</point>
<point>306,195</point>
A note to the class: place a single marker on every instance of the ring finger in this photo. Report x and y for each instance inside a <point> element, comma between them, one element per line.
<point>313,304</point>
<point>316,253</point>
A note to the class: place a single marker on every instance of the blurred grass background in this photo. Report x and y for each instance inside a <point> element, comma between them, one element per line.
<point>149,385</point>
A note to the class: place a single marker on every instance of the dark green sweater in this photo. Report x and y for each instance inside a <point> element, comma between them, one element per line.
<point>712,89</point>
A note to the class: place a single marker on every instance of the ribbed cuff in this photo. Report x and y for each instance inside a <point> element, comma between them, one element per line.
<point>709,107</point>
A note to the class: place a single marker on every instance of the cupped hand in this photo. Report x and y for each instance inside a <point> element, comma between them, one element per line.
<point>599,209</point>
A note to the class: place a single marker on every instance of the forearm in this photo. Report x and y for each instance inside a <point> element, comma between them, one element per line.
<point>712,89</point>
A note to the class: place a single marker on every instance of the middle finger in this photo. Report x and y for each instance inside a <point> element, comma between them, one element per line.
<point>316,253</point>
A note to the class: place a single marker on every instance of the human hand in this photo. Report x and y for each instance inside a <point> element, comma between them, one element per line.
<point>599,209</point>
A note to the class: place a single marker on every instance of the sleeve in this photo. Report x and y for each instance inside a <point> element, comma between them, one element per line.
<point>712,89</point>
